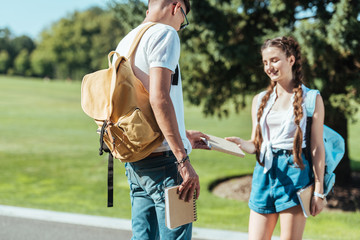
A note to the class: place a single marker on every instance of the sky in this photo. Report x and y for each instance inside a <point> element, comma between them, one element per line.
<point>30,17</point>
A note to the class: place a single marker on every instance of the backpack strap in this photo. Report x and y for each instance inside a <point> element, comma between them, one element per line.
<point>110,180</point>
<point>137,39</point>
<point>110,183</point>
<point>110,55</point>
<point>175,76</point>
<point>310,101</point>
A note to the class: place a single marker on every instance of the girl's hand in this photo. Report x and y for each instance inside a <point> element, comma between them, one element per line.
<point>247,146</point>
<point>317,205</point>
<point>234,140</point>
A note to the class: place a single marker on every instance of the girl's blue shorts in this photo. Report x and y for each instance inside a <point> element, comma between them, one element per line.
<point>275,191</point>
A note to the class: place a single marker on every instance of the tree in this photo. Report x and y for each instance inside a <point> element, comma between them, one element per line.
<point>75,46</point>
<point>11,47</point>
<point>6,51</point>
<point>20,43</point>
<point>4,61</point>
<point>41,61</point>
<point>221,59</point>
<point>128,13</point>
<point>5,37</point>
<point>22,63</point>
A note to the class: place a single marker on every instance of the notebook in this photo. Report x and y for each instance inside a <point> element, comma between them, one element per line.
<point>177,211</point>
<point>223,145</point>
<point>305,195</point>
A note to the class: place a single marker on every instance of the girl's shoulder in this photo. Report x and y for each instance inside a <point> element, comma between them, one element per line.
<point>258,97</point>
<point>261,94</point>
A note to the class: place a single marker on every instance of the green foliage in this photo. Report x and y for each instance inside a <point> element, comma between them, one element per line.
<point>75,46</point>
<point>67,50</point>
<point>331,47</point>
<point>5,38</point>
<point>12,52</point>
<point>21,43</point>
<point>41,61</point>
<point>128,13</point>
<point>221,49</point>
<point>22,63</point>
<point>4,61</point>
<point>343,30</point>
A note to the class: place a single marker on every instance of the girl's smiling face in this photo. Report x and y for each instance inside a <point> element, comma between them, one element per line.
<point>277,65</point>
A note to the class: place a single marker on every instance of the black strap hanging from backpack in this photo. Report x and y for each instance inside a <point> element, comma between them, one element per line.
<point>110,180</point>
<point>104,148</point>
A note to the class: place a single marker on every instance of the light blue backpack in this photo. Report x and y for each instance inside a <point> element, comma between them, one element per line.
<point>334,144</point>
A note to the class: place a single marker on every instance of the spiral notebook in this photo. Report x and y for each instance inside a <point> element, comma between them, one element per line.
<point>177,211</point>
<point>305,195</point>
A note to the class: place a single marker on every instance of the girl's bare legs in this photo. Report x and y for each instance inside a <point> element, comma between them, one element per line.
<point>261,226</point>
<point>292,223</point>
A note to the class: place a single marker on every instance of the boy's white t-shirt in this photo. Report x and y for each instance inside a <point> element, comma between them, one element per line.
<point>159,47</point>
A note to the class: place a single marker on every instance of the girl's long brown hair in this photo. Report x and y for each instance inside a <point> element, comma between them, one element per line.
<point>291,48</point>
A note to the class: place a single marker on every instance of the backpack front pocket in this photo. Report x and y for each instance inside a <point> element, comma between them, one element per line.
<point>137,129</point>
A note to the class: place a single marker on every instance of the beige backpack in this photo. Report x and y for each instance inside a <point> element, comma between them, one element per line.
<point>119,104</point>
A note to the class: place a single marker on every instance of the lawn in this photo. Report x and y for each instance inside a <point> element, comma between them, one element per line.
<point>49,160</point>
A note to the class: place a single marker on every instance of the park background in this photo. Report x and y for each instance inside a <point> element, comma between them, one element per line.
<point>49,147</point>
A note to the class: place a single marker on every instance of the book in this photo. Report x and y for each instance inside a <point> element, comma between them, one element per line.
<point>223,145</point>
<point>177,211</point>
<point>305,195</point>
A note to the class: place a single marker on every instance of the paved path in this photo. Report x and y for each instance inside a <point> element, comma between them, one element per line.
<point>31,224</point>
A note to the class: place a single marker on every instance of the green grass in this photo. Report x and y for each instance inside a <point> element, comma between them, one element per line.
<point>49,160</point>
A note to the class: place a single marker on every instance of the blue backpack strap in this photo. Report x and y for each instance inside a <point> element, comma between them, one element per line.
<point>310,101</point>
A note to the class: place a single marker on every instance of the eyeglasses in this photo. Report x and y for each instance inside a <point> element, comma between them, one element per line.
<point>183,25</point>
<point>187,21</point>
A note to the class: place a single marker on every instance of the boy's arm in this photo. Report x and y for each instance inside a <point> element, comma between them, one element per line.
<point>159,91</point>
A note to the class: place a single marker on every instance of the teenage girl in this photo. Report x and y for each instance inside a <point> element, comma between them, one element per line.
<point>278,140</point>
